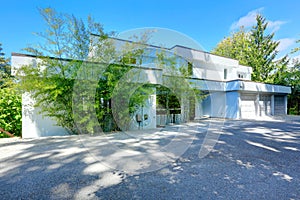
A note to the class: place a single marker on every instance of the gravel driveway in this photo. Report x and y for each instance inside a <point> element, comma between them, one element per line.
<point>251,159</point>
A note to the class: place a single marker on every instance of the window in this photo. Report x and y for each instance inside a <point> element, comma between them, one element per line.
<point>241,75</point>
<point>225,74</point>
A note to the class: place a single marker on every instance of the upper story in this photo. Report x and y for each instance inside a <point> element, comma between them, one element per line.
<point>200,65</point>
<point>208,73</point>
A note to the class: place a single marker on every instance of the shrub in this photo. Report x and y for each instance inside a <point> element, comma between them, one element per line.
<point>10,111</point>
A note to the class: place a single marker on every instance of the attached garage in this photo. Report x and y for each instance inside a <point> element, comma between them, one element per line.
<point>279,105</point>
<point>251,107</point>
<point>248,106</point>
<point>265,105</point>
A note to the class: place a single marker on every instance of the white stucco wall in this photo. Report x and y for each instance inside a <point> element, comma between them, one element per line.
<point>215,105</point>
<point>211,67</point>
<point>17,61</point>
<point>205,65</point>
<point>232,105</point>
<point>35,124</point>
<point>150,110</point>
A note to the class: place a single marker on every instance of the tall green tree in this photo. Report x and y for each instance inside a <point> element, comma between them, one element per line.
<point>236,46</point>
<point>66,44</point>
<point>294,81</point>
<point>2,58</point>
<point>77,54</point>
<point>263,52</point>
<point>256,49</point>
<point>295,69</point>
<point>4,67</point>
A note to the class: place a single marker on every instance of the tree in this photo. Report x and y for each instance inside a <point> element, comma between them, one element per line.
<point>263,53</point>
<point>4,67</point>
<point>294,82</point>
<point>296,49</point>
<point>78,73</point>
<point>236,46</point>
<point>65,47</point>
<point>10,101</point>
<point>77,55</point>
<point>256,49</point>
<point>3,61</point>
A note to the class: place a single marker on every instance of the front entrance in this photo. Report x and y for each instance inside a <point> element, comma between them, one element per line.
<point>168,109</point>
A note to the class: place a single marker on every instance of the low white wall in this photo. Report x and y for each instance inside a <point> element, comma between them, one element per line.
<point>35,124</point>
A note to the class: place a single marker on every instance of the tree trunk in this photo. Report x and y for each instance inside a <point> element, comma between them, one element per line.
<point>6,132</point>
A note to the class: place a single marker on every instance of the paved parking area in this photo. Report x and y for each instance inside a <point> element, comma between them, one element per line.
<point>250,159</point>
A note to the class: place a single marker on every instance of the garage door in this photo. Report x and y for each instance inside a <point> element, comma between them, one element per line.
<point>265,105</point>
<point>279,105</point>
<point>247,107</point>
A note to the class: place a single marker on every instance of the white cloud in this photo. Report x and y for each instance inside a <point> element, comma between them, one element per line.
<point>250,20</point>
<point>275,25</point>
<point>246,21</point>
<point>285,43</point>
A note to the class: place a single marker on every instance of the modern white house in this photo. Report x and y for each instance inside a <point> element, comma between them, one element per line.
<point>230,92</point>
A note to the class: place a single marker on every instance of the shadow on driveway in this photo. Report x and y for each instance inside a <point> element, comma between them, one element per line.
<point>252,159</point>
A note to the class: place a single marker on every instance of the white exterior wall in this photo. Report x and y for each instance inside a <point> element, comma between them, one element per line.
<point>211,67</point>
<point>216,72</point>
<point>232,105</point>
<point>215,105</point>
<point>150,110</point>
<point>35,124</point>
<point>198,109</point>
<point>18,61</point>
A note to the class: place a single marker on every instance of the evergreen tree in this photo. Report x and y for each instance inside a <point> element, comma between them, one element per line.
<point>263,52</point>
<point>4,67</point>
<point>256,49</point>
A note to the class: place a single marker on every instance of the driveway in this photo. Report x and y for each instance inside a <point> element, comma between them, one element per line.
<point>249,159</point>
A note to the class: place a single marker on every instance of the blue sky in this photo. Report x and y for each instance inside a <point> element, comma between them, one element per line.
<point>206,22</point>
